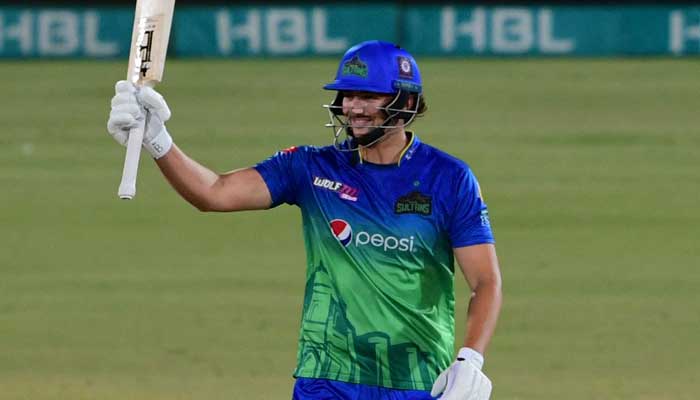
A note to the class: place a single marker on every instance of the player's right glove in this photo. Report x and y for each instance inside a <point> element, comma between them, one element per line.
<point>129,106</point>
<point>463,380</point>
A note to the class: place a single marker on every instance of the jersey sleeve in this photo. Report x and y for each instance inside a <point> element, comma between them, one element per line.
<point>281,175</point>
<point>469,223</point>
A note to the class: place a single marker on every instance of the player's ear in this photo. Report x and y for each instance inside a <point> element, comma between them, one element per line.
<point>411,102</point>
<point>422,106</point>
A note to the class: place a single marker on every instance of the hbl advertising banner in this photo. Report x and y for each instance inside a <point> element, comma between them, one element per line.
<point>274,31</point>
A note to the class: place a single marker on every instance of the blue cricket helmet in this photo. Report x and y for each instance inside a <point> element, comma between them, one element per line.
<point>378,67</point>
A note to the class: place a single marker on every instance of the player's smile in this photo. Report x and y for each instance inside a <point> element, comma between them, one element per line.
<point>361,124</point>
<point>362,110</point>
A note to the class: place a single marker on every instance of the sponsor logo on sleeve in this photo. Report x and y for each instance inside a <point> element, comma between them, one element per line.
<point>288,150</point>
<point>414,203</point>
<point>485,221</point>
<point>344,191</point>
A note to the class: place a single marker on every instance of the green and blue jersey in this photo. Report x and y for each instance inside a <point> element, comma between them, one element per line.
<point>379,299</point>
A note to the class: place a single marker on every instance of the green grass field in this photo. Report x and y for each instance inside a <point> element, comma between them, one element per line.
<point>590,168</point>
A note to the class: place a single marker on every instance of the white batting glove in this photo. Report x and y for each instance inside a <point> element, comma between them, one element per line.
<point>126,112</point>
<point>156,138</point>
<point>129,106</point>
<point>463,380</point>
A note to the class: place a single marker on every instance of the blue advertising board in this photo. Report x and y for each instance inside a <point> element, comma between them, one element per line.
<point>281,31</point>
<point>565,30</point>
<point>457,30</point>
<point>65,32</point>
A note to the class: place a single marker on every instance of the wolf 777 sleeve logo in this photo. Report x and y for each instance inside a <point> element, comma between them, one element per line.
<point>344,191</point>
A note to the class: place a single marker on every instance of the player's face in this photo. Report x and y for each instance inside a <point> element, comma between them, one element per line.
<point>362,110</point>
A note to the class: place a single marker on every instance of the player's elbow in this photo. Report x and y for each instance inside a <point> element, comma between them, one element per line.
<point>215,205</point>
<point>207,201</point>
<point>203,205</point>
<point>490,284</point>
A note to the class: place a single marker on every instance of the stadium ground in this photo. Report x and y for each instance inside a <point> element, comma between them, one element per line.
<point>590,169</point>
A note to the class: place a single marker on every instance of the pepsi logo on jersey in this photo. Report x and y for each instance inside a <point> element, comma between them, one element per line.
<point>342,231</point>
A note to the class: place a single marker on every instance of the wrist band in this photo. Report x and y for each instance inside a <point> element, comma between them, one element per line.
<point>160,145</point>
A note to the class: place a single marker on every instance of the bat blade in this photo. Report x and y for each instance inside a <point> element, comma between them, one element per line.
<point>149,46</point>
<point>149,39</point>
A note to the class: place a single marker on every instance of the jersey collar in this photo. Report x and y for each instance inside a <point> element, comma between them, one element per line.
<point>406,153</point>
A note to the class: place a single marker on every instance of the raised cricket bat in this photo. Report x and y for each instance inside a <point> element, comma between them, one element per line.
<point>149,45</point>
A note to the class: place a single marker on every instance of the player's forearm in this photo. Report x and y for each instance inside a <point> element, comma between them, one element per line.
<point>484,308</point>
<point>193,181</point>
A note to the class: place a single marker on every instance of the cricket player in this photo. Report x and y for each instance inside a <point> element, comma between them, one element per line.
<point>384,216</point>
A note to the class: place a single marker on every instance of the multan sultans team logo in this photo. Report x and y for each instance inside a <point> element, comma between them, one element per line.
<point>414,203</point>
<point>342,231</point>
<point>355,66</point>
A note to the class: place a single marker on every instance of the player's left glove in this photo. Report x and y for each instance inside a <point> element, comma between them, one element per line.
<point>463,380</point>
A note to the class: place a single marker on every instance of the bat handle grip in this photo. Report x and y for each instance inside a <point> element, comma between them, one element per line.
<point>127,187</point>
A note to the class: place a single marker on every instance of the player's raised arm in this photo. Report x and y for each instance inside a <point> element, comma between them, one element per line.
<point>242,189</point>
